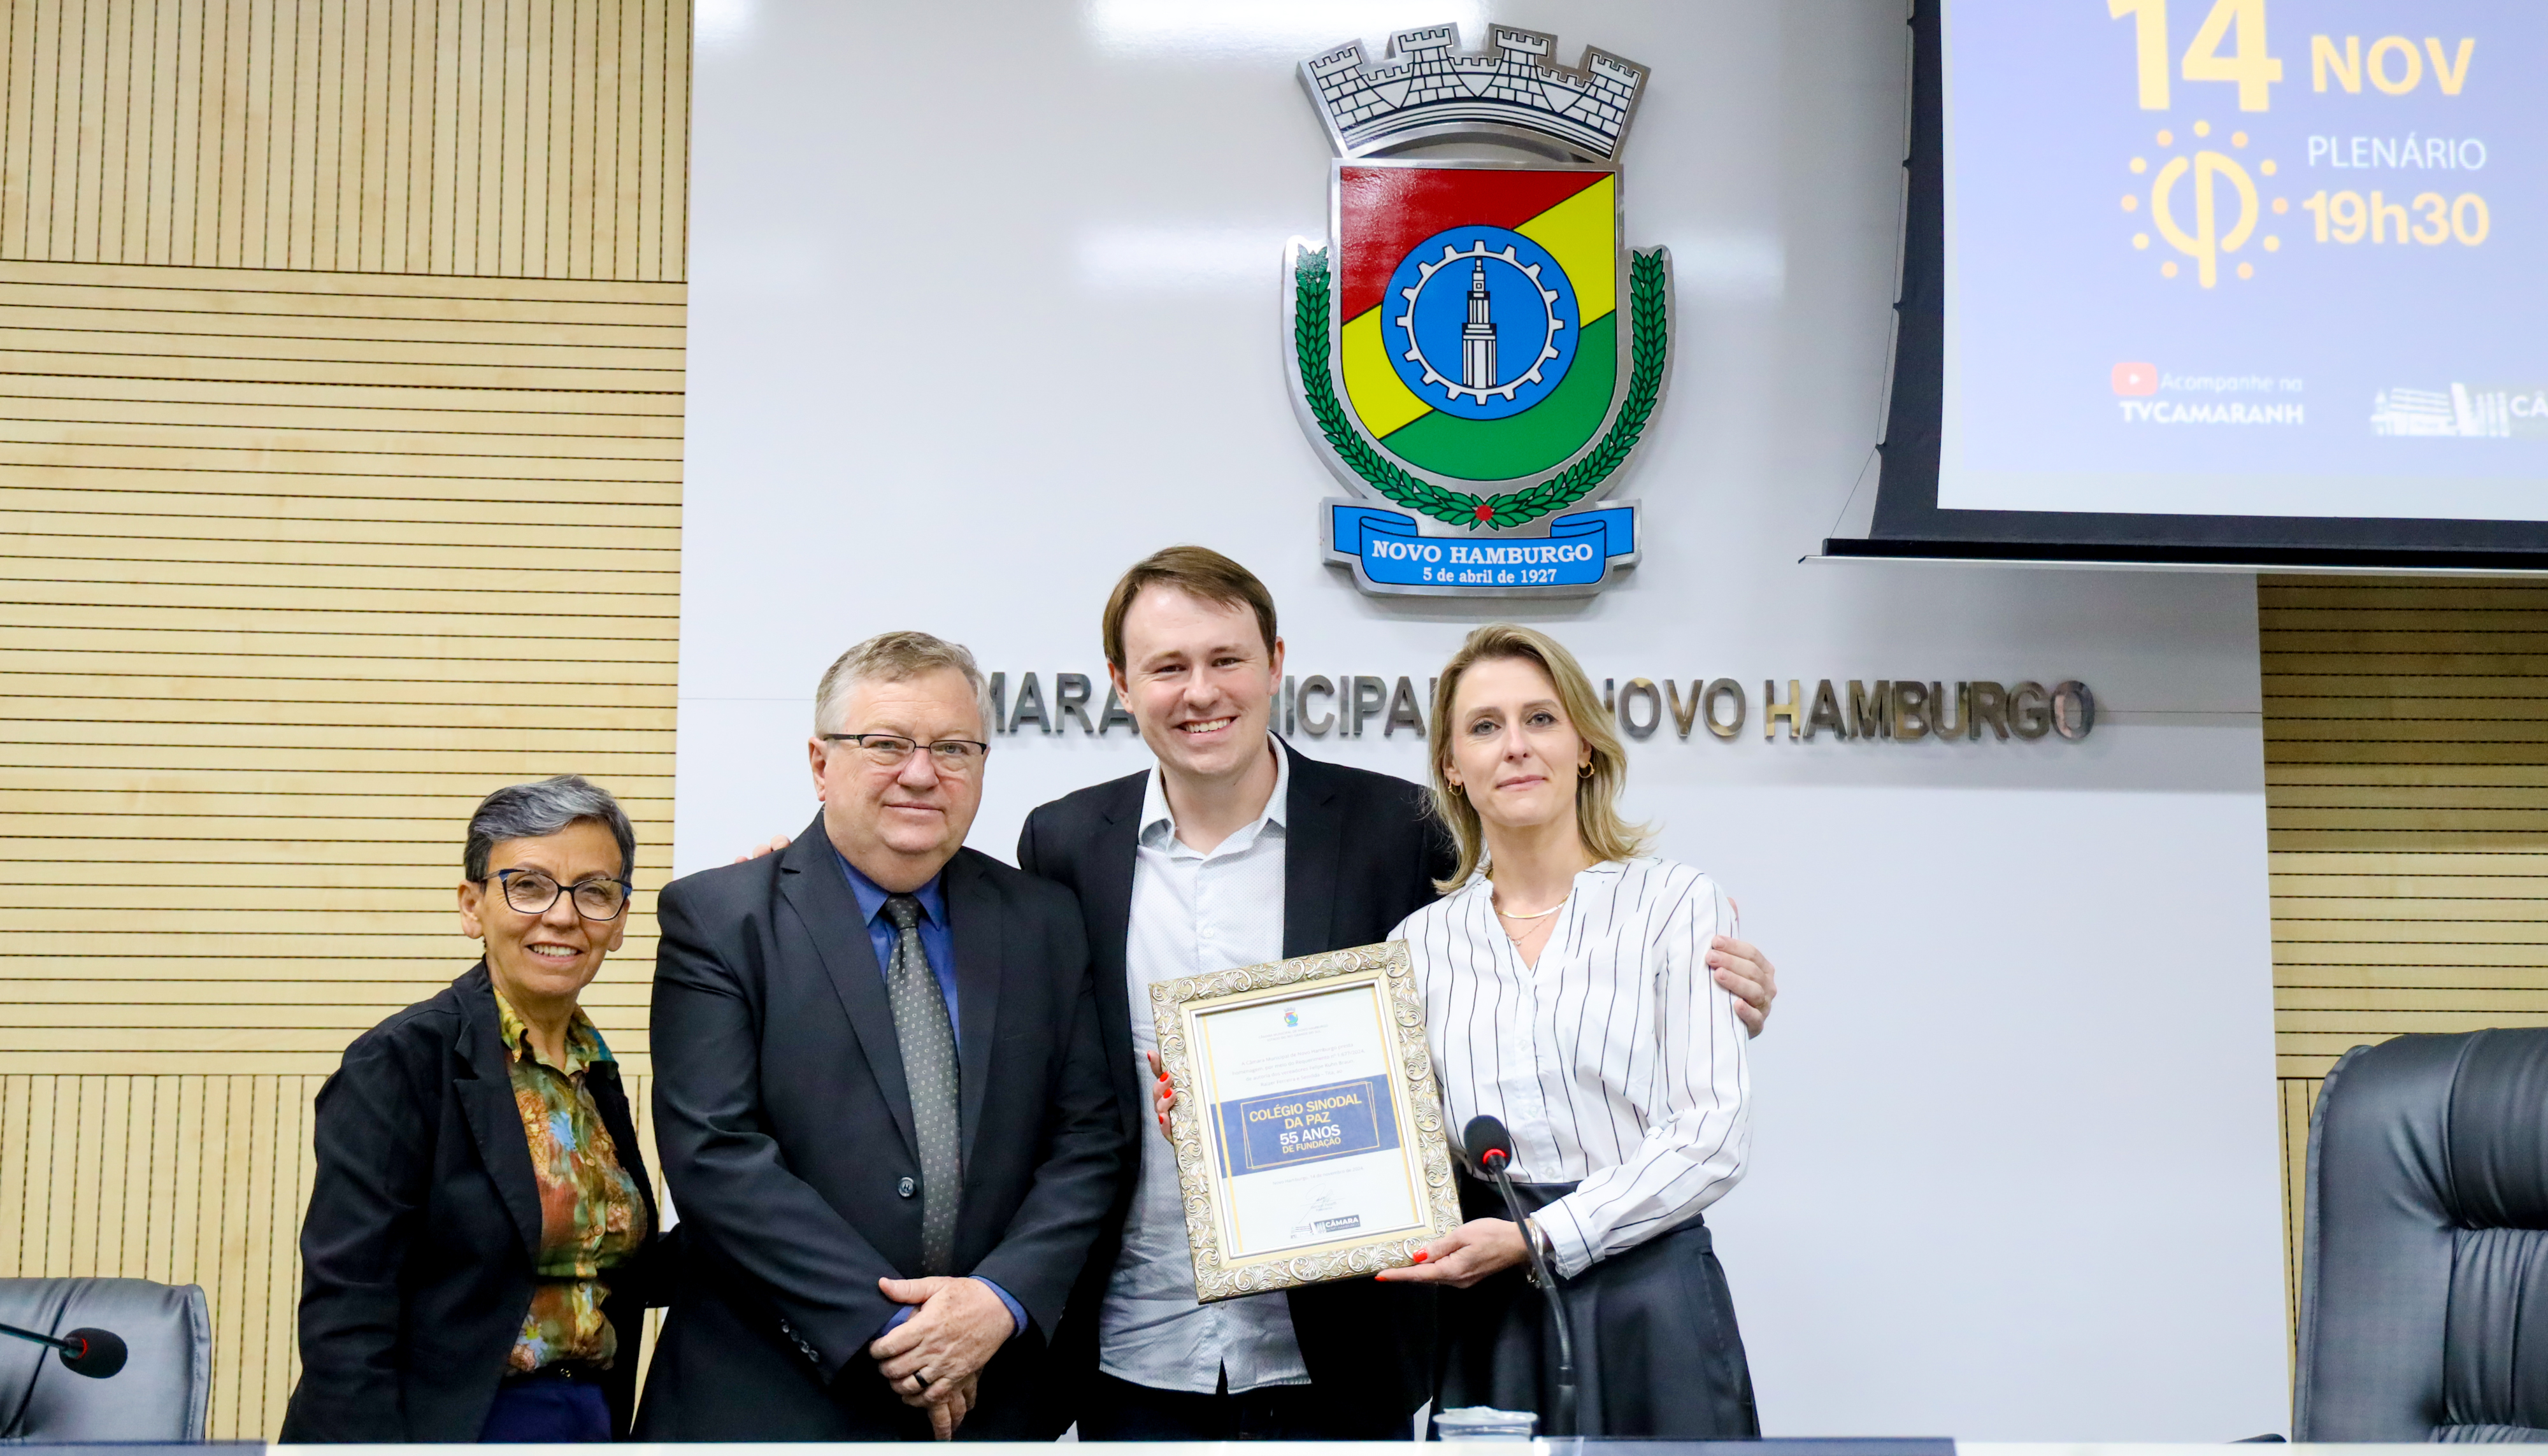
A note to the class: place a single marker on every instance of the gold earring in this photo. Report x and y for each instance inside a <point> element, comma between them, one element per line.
<point>1584,770</point>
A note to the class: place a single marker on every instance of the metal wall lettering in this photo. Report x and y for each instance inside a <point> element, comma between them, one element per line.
<point>2030,711</point>
<point>2075,710</point>
<point>1845,710</point>
<point>1402,709</point>
<point>1640,687</point>
<point>1870,714</point>
<point>1070,694</point>
<point>1773,711</point>
<point>1717,692</point>
<point>1826,711</point>
<point>1115,713</point>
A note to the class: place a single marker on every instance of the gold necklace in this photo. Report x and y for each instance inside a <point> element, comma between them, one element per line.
<point>1534,915</point>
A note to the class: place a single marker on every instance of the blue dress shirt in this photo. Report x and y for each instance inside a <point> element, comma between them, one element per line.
<point>937,937</point>
<point>937,943</point>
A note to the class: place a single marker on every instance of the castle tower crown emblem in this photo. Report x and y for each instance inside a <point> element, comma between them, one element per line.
<point>1516,89</point>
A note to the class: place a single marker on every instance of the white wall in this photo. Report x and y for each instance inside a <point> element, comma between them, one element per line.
<point>984,306</point>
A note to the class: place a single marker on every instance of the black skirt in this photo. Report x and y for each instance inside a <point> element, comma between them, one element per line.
<point>1657,1352</point>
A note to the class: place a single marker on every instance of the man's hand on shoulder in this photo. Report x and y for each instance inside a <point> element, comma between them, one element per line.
<point>933,1359</point>
<point>771,847</point>
<point>1741,969</point>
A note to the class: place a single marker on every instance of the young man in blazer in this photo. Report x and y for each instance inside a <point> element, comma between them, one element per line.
<point>1237,850</point>
<point>880,1096</point>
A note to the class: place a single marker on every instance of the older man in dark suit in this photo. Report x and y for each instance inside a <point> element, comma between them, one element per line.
<point>878,1234</point>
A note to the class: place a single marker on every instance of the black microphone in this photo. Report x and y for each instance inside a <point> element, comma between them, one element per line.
<point>1490,1149</point>
<point>96,1353</point>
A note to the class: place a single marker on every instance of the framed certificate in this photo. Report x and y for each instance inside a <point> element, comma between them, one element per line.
<point>1308,1128</point>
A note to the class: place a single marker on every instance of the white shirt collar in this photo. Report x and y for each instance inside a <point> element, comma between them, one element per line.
<point>1159,824</point>
<point>1478,880</point>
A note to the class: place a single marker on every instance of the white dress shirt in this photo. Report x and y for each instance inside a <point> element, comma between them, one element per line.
<point>1616,1062</point>
<point>1193,914</point>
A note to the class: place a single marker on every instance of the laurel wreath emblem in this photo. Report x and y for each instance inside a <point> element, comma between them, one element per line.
<point>1649,303</point>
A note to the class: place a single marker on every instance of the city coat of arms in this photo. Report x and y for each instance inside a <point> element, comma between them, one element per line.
<point>1475,350</point>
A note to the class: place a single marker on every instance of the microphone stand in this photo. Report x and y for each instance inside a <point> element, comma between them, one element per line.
<point>1493,1160</point>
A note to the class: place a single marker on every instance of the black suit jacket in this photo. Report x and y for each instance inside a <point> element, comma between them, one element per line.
<point>1359,854</point>
<point>784,1125</point>
<point>424,1217</point>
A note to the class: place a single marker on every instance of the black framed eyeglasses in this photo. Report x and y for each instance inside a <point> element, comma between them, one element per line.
<point>532,893</point>
<point>889,750</point>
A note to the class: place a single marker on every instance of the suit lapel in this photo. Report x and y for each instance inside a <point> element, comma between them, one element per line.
<point>809,877</point>
<point>1106,892</point>
<point>1313,843</point>
<point>974,914</point>
<point>494,1119</point>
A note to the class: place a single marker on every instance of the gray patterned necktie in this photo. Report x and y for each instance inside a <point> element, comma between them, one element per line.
<point>929,1072</point>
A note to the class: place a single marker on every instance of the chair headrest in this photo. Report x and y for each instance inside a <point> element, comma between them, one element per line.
<point>2496,1138</point>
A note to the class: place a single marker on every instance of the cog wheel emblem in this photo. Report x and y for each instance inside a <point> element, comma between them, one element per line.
<point>1480,322</point>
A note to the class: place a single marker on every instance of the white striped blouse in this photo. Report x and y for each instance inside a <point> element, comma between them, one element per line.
<point>1618,1063</point>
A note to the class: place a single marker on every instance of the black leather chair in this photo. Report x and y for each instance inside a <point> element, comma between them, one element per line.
<point>2425,1252</point>
<point>163,1391</point>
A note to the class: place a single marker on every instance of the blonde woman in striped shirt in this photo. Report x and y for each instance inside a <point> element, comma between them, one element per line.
<point>1567,993</point>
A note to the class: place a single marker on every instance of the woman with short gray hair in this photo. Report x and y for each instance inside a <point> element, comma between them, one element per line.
<point>481,1242</point>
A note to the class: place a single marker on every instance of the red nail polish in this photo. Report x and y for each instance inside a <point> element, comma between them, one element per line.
<point>1422,1254</point>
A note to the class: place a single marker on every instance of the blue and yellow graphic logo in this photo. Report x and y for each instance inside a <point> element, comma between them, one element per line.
<point>1486,323</point>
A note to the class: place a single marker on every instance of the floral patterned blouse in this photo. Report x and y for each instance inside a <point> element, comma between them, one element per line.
<point>590,1216</point>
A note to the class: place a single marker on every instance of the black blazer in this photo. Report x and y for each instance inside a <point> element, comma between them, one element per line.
<point>784,1127</point>
<point>425,1218</point>
<point>1360,854</point>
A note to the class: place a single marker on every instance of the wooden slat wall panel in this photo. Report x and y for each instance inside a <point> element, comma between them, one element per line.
<point>182,1179</point>
<point>265,630</point>
<point>515,138</point>
<point>2298,1096</point>
<point>185,1179</point>
<point>2407,799</point>
<point>300,302</point>
<point>2406,811</point>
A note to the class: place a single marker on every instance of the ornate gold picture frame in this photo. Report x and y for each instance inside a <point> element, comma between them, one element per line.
<point>1308,1128</point>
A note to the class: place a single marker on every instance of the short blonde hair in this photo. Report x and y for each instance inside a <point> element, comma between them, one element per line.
<point>895,657</point>
<point>1596,794</point>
